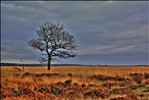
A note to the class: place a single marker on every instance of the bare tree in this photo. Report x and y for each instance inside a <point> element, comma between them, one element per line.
<point>22,64</point>
<point>54,41</point>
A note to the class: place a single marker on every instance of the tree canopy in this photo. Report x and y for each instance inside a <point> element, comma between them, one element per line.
<point>54,41</point>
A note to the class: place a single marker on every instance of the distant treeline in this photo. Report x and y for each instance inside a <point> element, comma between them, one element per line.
<point>18,64</point>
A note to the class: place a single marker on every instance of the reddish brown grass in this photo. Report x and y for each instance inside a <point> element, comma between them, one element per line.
<point>78,82</point>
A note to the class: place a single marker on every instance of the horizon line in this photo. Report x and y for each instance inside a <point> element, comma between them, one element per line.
<point>3,63</point>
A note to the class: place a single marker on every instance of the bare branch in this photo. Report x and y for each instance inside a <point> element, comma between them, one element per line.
<point>14,67</point>
<point>54,41</point>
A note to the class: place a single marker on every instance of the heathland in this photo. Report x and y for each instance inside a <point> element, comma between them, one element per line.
<point>75,83</point>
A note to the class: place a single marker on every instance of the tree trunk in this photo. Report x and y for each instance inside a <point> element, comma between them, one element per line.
<point>49,63</point>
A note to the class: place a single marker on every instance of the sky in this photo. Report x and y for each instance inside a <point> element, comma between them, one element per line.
<point>107,32</point>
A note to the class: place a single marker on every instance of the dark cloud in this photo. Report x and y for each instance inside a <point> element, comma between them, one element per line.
<point>107,32</point>
<point>14,50</point>
<point>120,59</point>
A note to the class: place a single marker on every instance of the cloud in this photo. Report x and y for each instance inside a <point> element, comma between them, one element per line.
<point>16,49</point>
<point>101,27</point>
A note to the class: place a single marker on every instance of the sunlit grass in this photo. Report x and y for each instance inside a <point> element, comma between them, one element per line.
<point>7,73</point>
<point>11,78</point>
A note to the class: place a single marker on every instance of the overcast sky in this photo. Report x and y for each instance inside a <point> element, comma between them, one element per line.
<point>108,32</point>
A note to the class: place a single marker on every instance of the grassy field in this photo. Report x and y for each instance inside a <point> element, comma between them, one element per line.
<point>75,82</point>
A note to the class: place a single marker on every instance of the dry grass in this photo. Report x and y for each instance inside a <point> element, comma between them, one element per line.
<point>7,73</point>
<point>10,78</point>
